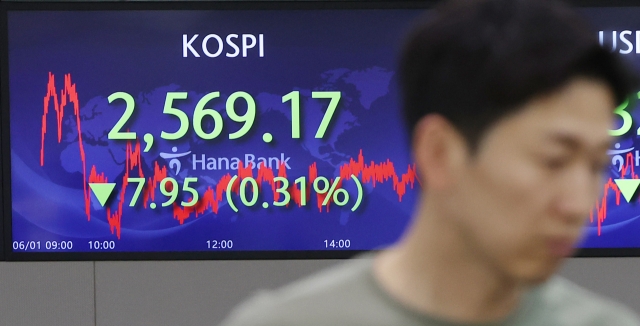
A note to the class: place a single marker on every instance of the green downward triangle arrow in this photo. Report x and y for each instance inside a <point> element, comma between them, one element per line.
<point>627,187</point>
<point>102,191</point>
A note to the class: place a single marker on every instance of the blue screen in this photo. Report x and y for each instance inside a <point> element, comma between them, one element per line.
<point>207,131</point>
<point>236,130</point>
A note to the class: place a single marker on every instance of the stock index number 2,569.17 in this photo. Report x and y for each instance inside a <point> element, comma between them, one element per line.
<point>203,110</point>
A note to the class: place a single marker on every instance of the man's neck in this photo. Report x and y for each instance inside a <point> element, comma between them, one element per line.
<point>432,272</point>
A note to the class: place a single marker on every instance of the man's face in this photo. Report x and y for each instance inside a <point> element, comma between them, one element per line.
<point>523,198</point>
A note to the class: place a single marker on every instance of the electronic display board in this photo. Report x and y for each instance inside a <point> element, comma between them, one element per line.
<point>231,130</point>
<point>613,222</point>
<point>206,131</point>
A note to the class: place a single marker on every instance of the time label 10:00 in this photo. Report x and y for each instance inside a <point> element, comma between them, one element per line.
<point>102,245</point>
<point>201,112</point>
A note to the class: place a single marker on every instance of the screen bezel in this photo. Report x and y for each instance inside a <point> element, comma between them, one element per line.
<point>5,164</point>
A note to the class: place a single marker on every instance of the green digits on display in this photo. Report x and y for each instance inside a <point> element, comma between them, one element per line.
<point>254,191</point>
<point>169,109</point>
<point>136,194</point>
<point>283,191</point>
<point>335,99</point>
<point>173,192</point>
<point>627,120</point>
<point>294,97</point>
<point>248,118</point>
<point>115,132</point>
<point>201,113</point>
<point>193,192</point>
<point>327,191</point>
<point>302,184</point>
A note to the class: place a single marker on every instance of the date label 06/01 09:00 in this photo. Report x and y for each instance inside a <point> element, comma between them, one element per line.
<point>42,245</point>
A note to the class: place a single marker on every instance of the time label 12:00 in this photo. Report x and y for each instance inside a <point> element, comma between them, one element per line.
<point>201,112</point>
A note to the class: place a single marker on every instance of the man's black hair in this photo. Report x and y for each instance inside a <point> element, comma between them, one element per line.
<point>476,61</point>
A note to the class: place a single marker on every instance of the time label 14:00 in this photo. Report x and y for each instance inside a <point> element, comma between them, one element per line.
<point>203,110</point>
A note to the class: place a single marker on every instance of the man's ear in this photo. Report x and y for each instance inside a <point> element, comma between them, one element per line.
<point>440,151</point>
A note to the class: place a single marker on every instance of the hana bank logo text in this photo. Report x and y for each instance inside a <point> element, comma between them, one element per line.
<point>202,162</point>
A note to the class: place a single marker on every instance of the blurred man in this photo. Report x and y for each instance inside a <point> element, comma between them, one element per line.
<point>509,103</point>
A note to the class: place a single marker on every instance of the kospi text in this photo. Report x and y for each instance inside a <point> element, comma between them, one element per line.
<point>213,45</point>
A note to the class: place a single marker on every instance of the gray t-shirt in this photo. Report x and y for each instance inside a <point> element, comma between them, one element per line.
<point>348,295</point>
